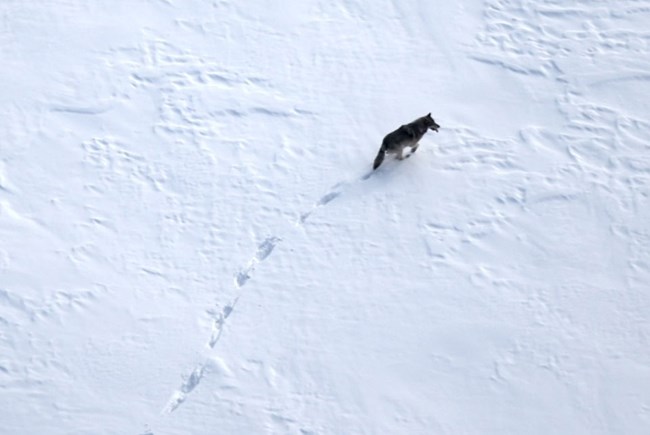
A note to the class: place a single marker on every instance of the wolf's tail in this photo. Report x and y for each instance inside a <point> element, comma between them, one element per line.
<point>379,158</point>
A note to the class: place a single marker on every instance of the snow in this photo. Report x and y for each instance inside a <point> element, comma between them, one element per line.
<point>191,243</point>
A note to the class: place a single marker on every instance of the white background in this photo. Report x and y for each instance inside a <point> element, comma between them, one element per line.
<point>189,245</point>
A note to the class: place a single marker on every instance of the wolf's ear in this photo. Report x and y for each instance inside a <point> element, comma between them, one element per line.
<point>429,115</point>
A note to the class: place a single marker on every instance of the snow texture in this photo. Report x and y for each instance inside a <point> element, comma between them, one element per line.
<point>192,240</point>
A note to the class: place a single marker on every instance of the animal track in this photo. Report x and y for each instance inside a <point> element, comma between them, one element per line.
<point>217,326</point>
<point>328,198</point>
<point>187,387</point>
<point>266,247</point>
<point>264,250</point>
<point>325,199</point>
<point>243,277</point>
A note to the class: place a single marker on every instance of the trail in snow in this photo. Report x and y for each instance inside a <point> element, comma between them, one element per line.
<point>264,250</point>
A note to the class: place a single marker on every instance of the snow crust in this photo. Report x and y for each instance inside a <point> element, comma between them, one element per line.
<point>191,241</point>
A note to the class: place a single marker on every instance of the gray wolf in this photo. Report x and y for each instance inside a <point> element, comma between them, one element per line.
<point>408,135</point>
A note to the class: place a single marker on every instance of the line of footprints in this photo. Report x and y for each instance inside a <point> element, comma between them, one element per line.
<point>264,250</point>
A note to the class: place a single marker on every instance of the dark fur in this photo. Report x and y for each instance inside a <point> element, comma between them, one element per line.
<point>407,135</point>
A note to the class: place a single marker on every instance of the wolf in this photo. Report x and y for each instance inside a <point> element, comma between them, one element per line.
<point>408,135</point>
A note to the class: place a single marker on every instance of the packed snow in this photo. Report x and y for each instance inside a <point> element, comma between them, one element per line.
<point>193,241</point>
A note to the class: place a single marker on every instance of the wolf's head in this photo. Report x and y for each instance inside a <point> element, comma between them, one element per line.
<point>431,124</point>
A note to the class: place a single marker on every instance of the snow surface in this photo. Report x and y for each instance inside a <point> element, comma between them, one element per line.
<point>190,243</point>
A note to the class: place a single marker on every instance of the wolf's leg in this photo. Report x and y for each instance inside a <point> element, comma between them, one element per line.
<point>399,154</point>
<point>413,148</point>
